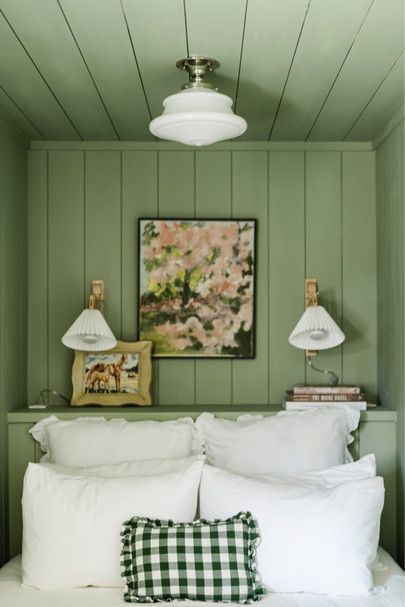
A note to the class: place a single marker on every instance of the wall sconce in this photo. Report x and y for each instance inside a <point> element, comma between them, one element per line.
<point>316,330</point>
<point>90,332</point>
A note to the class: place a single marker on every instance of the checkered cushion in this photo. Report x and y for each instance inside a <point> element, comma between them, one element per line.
<point>203,560</point>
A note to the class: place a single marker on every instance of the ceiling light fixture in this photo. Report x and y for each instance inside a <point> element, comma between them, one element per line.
<point>198,115</point>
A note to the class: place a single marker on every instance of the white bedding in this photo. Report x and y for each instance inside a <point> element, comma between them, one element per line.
<point>389,580</point>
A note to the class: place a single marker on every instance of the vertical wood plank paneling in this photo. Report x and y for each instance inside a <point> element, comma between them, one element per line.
<point>390,275</point>
<point>66,260</point>
<point>398,156</point>
<point>380,439</point>
<point>139,199</point>
<point>286,268</point>
<point>359,278</point>
<point>13,197</point>
<point>323,248</point>
<point>354,447</point>
<point>13,271</point>
<point>213,199</point>
<point>22,450</point>
<point>176,199</point>
<point>387,274</point>
<point>38,453</point>
<point>384,270</point>
<point>37,274</point>
<point>97,237</point>
<point>13,300</point>
<point>390,270</point>
<point>250,200</point>
<point>102,230</point>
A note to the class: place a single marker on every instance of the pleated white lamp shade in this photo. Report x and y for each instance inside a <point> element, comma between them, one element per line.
<point>90,333</point>
<point>316,330</point>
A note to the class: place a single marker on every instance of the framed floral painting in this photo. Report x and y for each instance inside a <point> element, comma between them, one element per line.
<point>197,287</point>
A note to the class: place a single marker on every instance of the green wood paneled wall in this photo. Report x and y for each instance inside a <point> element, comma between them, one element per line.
<point>13,277</point>
<point>316,217</point>
<point>390,246</point>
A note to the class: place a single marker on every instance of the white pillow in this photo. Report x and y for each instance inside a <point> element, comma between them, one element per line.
<point>365,467</point>
<point>94,441</point>
<point>72,524</point>
<point>290,441</point>
<point>313,539</point>
<point>136,468</point>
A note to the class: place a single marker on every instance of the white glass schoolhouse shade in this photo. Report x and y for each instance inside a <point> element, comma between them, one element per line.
<point>316,330</point>
<point>89,333</point>
<point>198,117</point>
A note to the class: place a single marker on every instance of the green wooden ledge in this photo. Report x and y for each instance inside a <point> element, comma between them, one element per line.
<point>164,412</point>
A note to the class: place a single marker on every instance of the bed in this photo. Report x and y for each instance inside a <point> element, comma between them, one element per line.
<point>376,434</point>
<point>389,580</point>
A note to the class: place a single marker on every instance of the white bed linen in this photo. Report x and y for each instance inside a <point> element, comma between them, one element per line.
<point>389,580</point>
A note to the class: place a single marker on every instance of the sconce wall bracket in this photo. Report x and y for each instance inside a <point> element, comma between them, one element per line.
<point>311,299</point>
<point>96,299</point>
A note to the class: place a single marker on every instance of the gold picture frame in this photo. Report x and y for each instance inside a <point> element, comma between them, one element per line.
<point>116,377</point>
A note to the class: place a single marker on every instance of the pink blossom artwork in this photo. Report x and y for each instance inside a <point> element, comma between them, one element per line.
<point>196,287</point>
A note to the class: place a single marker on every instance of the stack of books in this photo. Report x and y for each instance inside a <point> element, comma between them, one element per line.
<point>309,397</point>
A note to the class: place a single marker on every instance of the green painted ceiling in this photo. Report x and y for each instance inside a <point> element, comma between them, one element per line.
<point>297,69</point>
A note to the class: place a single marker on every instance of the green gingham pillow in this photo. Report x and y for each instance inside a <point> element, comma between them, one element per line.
<point>202,560</point>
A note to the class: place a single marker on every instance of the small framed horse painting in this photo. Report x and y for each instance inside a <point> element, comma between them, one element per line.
<point>121,376</point>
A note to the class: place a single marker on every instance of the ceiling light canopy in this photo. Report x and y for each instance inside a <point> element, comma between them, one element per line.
<point>199,115</point>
